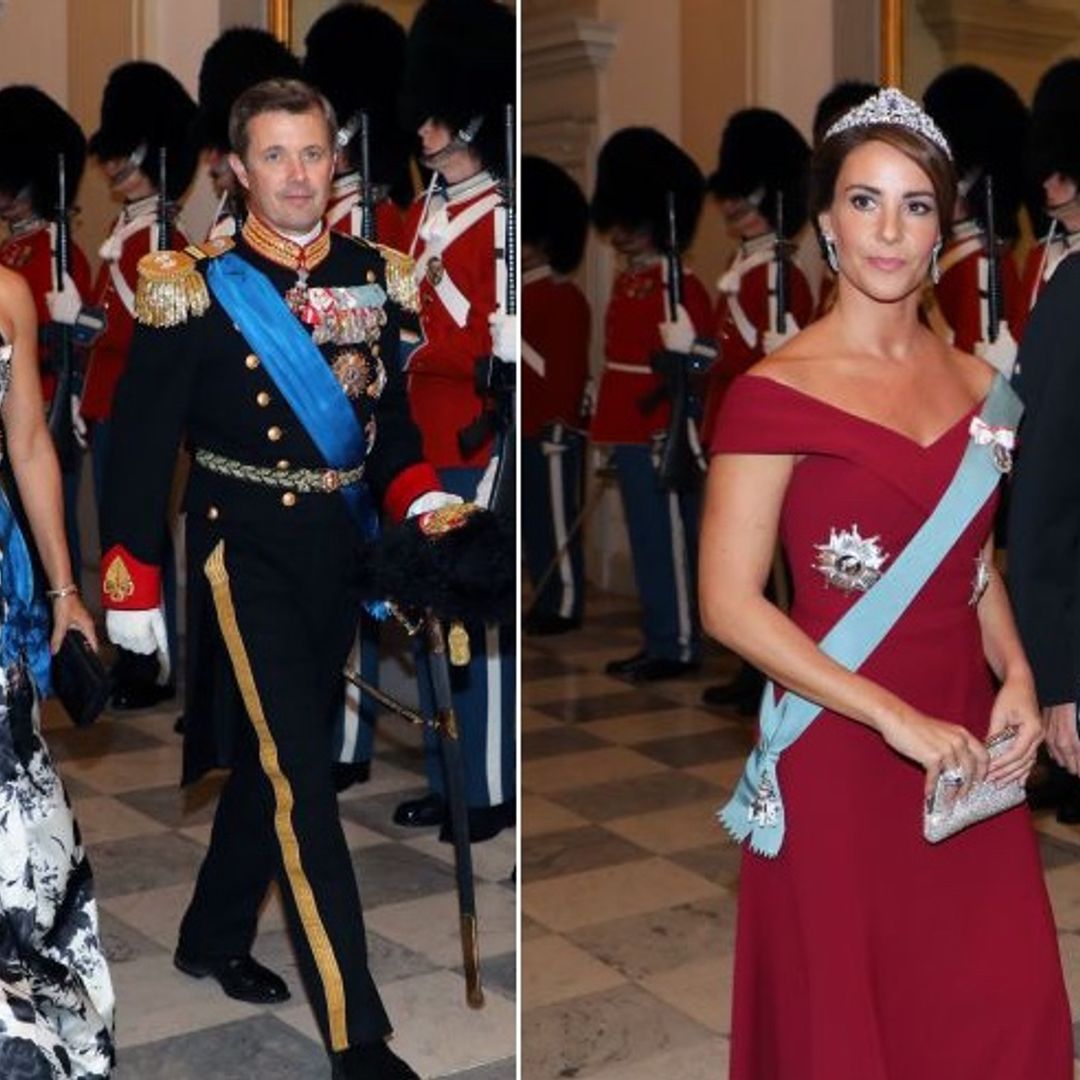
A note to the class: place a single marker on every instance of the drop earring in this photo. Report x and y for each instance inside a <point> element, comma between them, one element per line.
<point>830,253</point>
<point>935,268</point>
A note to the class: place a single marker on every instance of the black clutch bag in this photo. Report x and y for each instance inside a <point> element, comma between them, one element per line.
<point>79,679</point>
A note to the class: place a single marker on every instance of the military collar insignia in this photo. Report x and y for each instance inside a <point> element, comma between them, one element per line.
<point>139,208</point>
<point>27,226</point>
<point>466,189</point>
<point>279,249</point>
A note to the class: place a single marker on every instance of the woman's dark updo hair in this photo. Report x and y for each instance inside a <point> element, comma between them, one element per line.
<point>829,157</point>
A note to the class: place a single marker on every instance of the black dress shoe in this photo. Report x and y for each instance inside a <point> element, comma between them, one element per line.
<point>241,977</point>
<point>546,623</point>
<point>652,668</point>
<point>619,668</point>
<point>484,822</point>
<point>371,1061</point>
<point>743,692</point>
<point>347,773</point>
<point>129,696</point>
<point>422,813</point>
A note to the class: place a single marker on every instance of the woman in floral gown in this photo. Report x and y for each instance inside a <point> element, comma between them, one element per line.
<point>863,952</point>
<point>56,999</point>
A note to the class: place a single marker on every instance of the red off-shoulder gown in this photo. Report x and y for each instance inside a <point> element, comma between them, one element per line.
<point>862,951</point>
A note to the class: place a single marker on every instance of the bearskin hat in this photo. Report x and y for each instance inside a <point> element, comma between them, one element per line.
<point>333,43</point>
<point>842,98</point>
<point>460,64</point>
<point>554,213</point>
<point>240,58</point>
<point>986,123</point>
<point>636,169</point>
<point>34,131</point>
<point>763,154</point>
<point>1054,138</point>
<point>143,103</point>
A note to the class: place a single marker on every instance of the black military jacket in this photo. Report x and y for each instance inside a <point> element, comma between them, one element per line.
<point>201,382</point>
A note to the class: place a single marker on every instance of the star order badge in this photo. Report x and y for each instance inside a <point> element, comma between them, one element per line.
<point>848,561</point>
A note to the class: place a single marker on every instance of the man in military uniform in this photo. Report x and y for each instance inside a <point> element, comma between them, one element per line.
<point>555,333</point>
<point>459,76</point>
<point>239,58</point>
<point>268,355</point>
<point>34,130</point>
<point>144,110</point>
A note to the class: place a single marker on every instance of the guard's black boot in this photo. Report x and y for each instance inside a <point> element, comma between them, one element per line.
<point>371,1061</point>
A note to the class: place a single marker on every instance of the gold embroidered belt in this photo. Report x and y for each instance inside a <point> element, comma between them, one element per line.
<point>304,481</point>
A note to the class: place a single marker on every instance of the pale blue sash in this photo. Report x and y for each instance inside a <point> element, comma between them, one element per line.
<point>756,810</point>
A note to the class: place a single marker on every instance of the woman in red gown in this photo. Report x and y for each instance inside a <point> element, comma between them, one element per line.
<point>863,952</point>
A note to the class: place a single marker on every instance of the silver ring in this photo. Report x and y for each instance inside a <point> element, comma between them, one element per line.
<point>953,776</point>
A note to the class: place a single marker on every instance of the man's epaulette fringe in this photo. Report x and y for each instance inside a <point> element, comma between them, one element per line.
<point>170,289</point>
<point>401,286</point>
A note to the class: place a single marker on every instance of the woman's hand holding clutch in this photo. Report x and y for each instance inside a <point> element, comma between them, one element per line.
<point>1015,706</point>
<point>937,746</point>
<point>69,612</point>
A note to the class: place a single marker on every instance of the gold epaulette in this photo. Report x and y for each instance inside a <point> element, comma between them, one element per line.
<point>170,289</point>
<point>401,286</point>
<point>210,249</point>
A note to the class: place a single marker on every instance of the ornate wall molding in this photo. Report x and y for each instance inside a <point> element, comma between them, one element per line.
<point>1009,27</point>
<point>555,45</point>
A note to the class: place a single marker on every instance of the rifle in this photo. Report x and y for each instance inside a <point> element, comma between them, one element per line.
<point>62,348</point>
<point>163,204</point>
<point>368,229</point>
<point>780,258</point>
<point>496,379</point>
<point>681,462</point>
<point>993,277</point>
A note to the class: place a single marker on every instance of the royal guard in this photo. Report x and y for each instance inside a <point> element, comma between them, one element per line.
<point>1053,163</point>
<point>979,305</point>
<point>144,111</point>
<point>555,355</point>
<point>761,178</point>
<point>637,171</point>
<point>764,295</point>
<point>357,91</point>
<point>459,78</point>
<point>239,58</point>
<point>35,131</point>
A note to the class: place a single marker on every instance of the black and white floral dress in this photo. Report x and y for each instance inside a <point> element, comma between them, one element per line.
<point>56,997</point>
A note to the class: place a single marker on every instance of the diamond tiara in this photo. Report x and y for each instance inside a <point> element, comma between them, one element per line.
<point>892,106</point>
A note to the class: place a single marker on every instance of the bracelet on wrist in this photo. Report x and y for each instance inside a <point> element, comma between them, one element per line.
<point>64,590</point>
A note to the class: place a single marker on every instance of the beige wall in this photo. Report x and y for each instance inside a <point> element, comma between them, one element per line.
<point>33,45</point>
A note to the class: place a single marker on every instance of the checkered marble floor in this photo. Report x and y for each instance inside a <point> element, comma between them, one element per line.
<point>629,885</point>
<point>146,839</point>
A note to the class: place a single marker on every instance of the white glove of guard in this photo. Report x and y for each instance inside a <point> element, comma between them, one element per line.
<point>432,500</point>
<point>678,334</point>
<point>141,632</point>
<point>65,303</point>
<point>773,340</point>
<point>78,424</point>
<point>1000,353</point>
<point>504,336</point>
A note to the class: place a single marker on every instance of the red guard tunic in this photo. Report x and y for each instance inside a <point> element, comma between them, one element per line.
<point>631,406</point>
<point>961,291</point>
<point>30,252</point>
<point>744,312</point>
<point>455,271</point>
<point>134,234</point>
<point>554,327</point>
<point>345,214</point>
<point>1042,260</point>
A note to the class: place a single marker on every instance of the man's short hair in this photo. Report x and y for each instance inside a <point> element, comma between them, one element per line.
<point>277,95</point>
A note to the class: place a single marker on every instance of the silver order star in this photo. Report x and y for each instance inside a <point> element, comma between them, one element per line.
<point>848,561</point>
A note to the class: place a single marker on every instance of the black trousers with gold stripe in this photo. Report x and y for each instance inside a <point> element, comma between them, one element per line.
<point>286,615</point>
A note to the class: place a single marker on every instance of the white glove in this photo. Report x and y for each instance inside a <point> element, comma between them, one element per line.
<point>773,339</point>
<point>64,304</point>
<point>1000,353</point>
<point>504,336</point>
<point>678,334</point>
<point>78,424</point>
<point>487,482</point>
<point>432,500</point>
<point>141,632</point>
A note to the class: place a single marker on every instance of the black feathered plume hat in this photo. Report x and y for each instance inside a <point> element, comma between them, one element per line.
<point>554,213</point>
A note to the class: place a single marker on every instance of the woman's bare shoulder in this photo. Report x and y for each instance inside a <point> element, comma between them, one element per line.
<point>977,374</point>
<point>804,360</point>
<point>14,292</point>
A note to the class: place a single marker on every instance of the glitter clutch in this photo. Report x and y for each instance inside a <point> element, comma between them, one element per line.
<point>945,813</point>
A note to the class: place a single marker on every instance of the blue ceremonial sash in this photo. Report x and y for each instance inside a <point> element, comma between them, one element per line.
<point>24,632</point>
<point>756,810</point>
<point>299,371</point>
